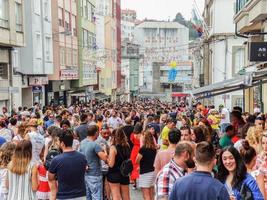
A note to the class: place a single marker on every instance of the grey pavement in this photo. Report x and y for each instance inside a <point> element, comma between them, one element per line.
<point>135,194</point>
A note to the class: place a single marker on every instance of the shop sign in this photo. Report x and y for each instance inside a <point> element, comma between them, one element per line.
<point>258,51</point>
<point>36,89</point>
<point>38,80</point>
<point>68,74</point>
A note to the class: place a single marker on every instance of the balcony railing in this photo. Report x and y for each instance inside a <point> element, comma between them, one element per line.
<point>4,23</point>
<point>240,4</point>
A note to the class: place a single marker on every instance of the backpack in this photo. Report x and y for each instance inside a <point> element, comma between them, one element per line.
<point>245,192</point>
<point>49,157</point>
<point>126,167</point>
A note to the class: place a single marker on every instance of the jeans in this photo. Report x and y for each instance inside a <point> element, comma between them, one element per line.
<point>94,187</point>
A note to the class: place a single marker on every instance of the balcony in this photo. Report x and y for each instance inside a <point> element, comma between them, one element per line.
<point>249,14</point>
<point>178,79</point>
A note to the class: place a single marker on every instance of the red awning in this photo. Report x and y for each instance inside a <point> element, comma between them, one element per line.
<point>179,95</point>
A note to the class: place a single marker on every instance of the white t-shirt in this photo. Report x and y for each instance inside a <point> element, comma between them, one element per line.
<point>38,142</point>
<point>3,189</point>
<point>6,133</point>
<point>226,113</point>
<point>115,122</point>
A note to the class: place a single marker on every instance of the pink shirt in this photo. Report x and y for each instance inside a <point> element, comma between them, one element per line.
<point>162,158</point>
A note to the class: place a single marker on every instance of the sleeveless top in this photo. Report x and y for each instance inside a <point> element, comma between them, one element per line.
<point>20,186</point>
<point>123,153</point>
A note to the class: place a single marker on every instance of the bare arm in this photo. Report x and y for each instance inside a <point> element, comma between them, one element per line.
<point>34,178</point>
<point>138,158</point>
<point>102,155</point>
<point>52,185</point>
<point>112,155</point>
<point>261,184</point>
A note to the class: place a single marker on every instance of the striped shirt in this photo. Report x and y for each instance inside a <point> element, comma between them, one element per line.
<point>20,186</point>
<point>166,179</point>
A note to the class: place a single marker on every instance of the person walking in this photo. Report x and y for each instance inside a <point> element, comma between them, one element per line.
<point>173,170</point>
<point>22,181</point>
<point>94,154</point>
<point>67,171</point>
<point>191,187</point>
<point>145,158</point>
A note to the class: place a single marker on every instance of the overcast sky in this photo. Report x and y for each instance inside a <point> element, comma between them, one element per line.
<point>161,9</point>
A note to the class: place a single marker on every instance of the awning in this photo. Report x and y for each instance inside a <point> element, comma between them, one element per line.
<point>101,96</point>
<point>175,94</point>
<point>241,82</point>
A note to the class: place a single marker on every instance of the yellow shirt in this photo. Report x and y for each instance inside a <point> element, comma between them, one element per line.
<point>165,136</point>
<point>215,121</point>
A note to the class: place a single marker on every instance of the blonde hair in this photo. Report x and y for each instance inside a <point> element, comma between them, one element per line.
<point>21,158</point>
<point>148,140</point>
<point>6,152</point>
<point>254,135</point>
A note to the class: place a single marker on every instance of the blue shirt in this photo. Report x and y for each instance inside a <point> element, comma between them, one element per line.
<point>91,149</point>
<point>198,186</point>
<point>69,168</point>
<point>2,141</point>
<point>252,185</point>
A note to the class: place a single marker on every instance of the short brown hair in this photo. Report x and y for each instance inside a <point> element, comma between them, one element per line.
<point>205,153</point>
<point>92,130</point>
<point>183,147</point>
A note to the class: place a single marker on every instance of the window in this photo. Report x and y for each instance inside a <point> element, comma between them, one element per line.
<point>48,48</point>
<point>238,59</point>
<point>75,58</point>
<point>69,57</point>
<point>85,38</point>
<point>67,20</point>
<point>4,13</point>
<point>74,30</point>
<point>239,102</point>
<point>60,17</point>
<point>38,44</point>
<point>46,11</point>
<point>18,12</point>
<point>37,7</point>
<point>3,71</point>
<point>62,56</point>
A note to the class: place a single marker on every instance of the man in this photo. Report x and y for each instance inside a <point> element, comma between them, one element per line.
<point>225,118</point>
<point>93,153</point>
<point>67,170</point>
<point>174,170</point>
<point>200,185</point>
<point>163,157</point>
<point>226,140</point>
<point>165,133</point>
<point>91,119</point>
<point>185,133</point>
<point>134,117</point>
<point>82,129</point>
<point>114,121</point>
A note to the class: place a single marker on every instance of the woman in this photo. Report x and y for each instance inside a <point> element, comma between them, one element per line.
<point>249,156</point>
<point>6,152</point>
<point>197,135</point>
<point>253,137</point>
<point>22,131</point>
<point>135,139</point>
<point>261,162</point>
<point>233,173</point>
<point>22,180</point>
<point>146,157</point>
<point>119,152</point>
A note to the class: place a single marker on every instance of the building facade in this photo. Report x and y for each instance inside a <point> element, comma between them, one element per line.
<point>160,42</point>
<point>128,20</point>
<point>130,69</point>
<point>249,18</point>
<point>87,44</point>
<point>65,52</point>
<point>31,73</point>
<point>12,31</point>
<point>222,51</point>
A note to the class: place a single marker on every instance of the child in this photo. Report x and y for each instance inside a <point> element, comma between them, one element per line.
<point>6,152</point>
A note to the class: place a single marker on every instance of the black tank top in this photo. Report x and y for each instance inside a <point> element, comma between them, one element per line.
<point>123,153</point>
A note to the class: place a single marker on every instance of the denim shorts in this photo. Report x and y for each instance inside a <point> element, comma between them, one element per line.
<point>94,187</point>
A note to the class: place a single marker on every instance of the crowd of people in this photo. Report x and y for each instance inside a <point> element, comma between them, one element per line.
<point>168,151</point>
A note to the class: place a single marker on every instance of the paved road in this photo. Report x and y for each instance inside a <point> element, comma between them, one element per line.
<point>135,194</point>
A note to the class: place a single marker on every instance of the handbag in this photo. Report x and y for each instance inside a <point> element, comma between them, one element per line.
<point>245,192</point>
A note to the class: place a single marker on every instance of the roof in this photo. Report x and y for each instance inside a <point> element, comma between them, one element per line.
<point>160,24</point>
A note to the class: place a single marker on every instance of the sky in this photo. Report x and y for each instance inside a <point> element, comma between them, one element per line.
<point>161,9</point>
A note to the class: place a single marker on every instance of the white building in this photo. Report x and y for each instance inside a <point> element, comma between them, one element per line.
<point>128,19</point>
<point>226,53</point>
<point>34,62</point>
<point>160,41</point>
